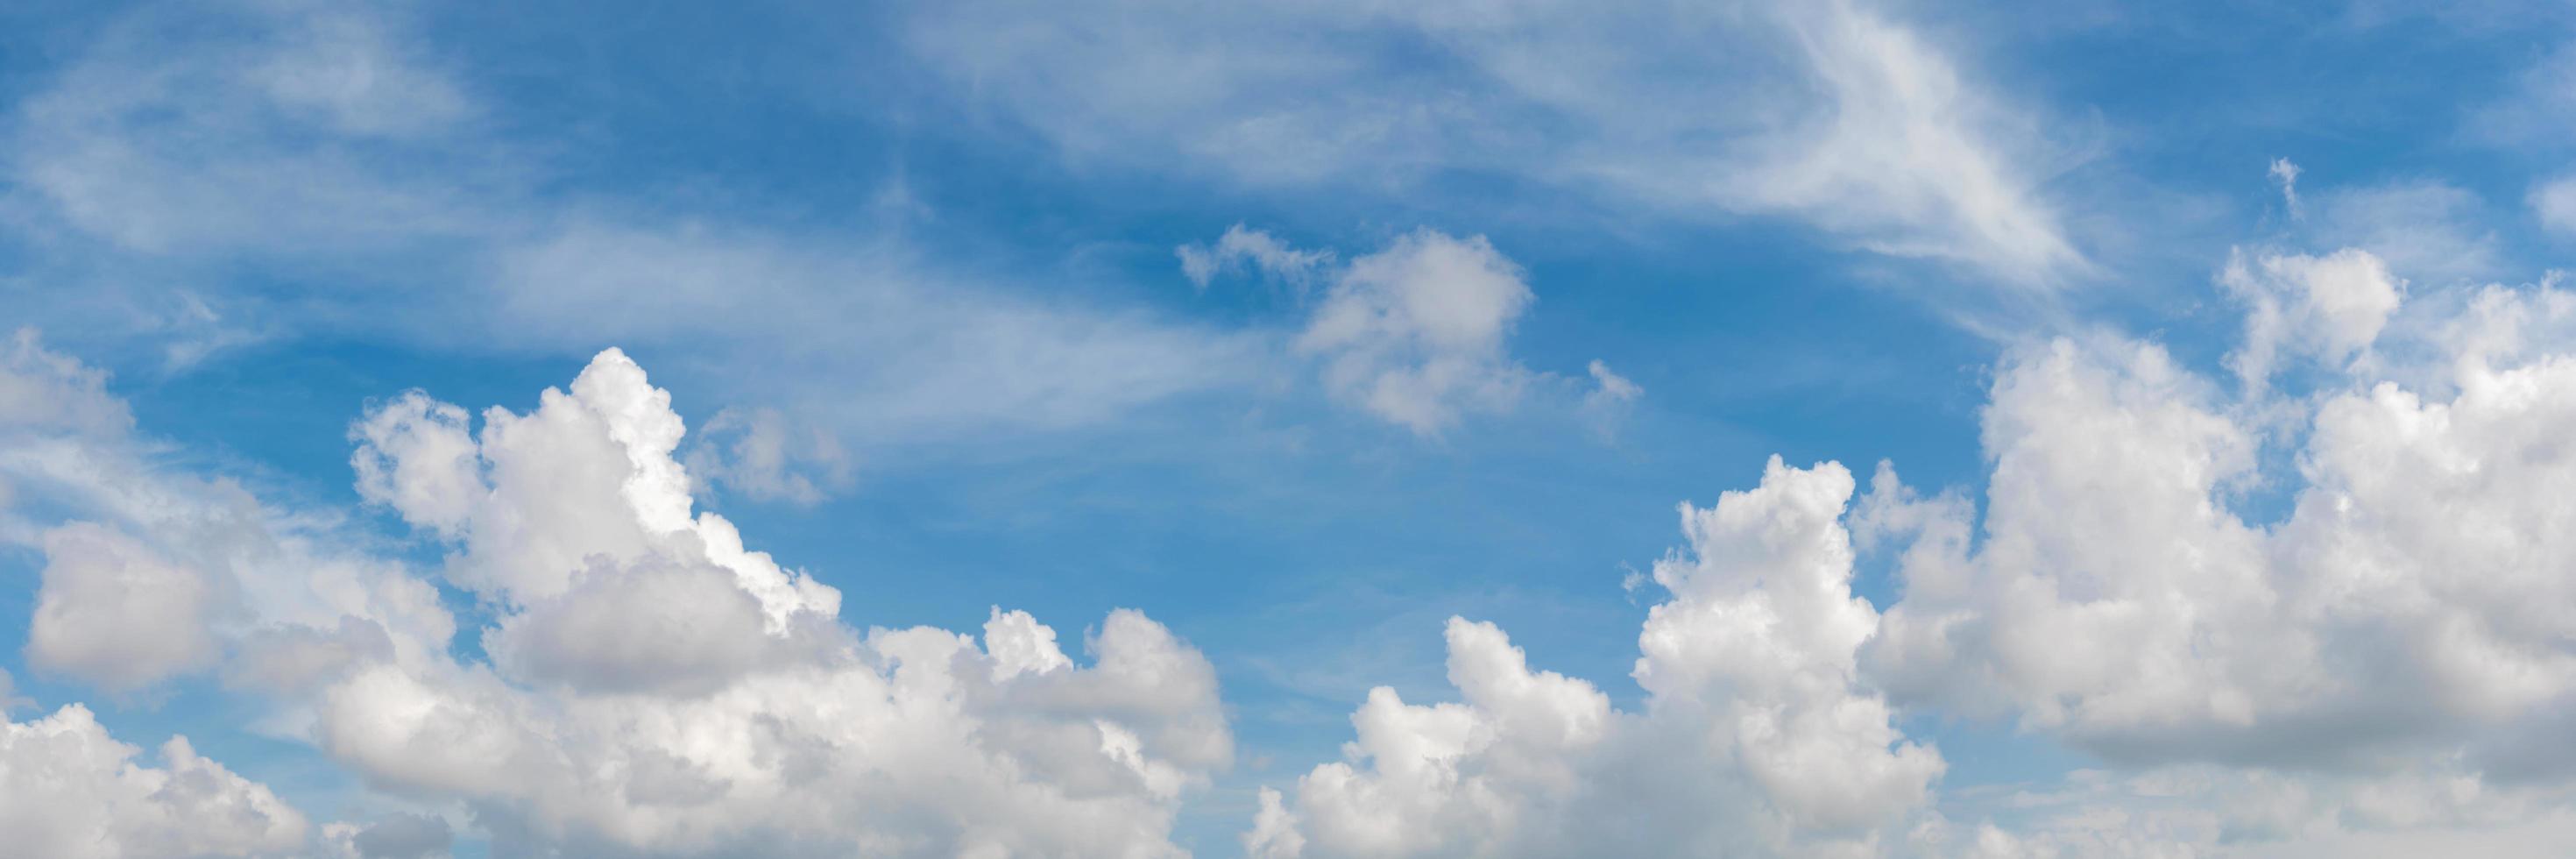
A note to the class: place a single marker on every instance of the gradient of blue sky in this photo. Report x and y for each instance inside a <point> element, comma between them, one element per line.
<point>933,247</point>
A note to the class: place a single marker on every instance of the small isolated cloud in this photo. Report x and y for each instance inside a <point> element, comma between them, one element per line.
<point>1239,247</point>
<point>2286,174</point>
<point>1607,405</point>
<point>1414,333</point>
<point>2554,201</point>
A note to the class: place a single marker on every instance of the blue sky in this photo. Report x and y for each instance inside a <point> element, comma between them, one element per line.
<point>2216,350</point>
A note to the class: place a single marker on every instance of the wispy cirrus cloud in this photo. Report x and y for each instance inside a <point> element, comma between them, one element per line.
<point>1861,128</point>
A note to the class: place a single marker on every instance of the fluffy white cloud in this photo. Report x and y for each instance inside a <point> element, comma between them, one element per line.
<point>658,688</point>
<point>533,498</point>
<point>151,572</point>
<point>2410,598</point>
<point>2328,308</point>
<point>1414,333</point>
<point>2554,202</point>
<point>2386,654</point>
<point>1757,735</point>
<point>1418,332</point>
<point>69,790</point>
<point>44,392</point>
<point>111,611</point>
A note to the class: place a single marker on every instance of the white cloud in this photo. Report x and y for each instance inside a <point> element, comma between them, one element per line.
<point>764,456</point>
<point>2555,202</point>
<point>2287,173</point>
<point>1240,246</point>
<point>151,572</point>
<point>114,613</point>
<point>1414,333</point>
<point>655,686</point>
<point>1901,155</point>
<point>660,688</point>
<point>1756,736</point>
<point>1832,114</point>
<point>2329,308</point>
<point>2383,657</point>
<point>69,790</point>
<point>1608,403</point>
<point>2382,666</point>
<point>2428,232</point>
<point>42,391</point>
<point>333,148</point>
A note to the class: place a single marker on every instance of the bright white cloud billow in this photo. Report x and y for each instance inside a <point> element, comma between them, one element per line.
<point>655,687</point>
<point>1414,333</point>
<point>659,688</point>
<point>2389,657</point>
<point>1755,737</point>
<point>69,790</point>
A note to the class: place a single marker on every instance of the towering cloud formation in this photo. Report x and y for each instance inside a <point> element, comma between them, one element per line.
<point>656,686</point>
<point>1756,736</point>
<point>653,686</point>
<point>2392,651</point>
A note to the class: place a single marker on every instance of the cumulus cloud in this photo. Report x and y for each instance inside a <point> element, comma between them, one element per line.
<point>67,789</point>
<point>1414,333</point>
<point>2387,656</point>
<point>1757,734</point>
<point>1418,332</point>
<point>1862,127</point>
<point>112,612</point>
<point>2381,656</point>
<point>1901,155</point>
<point>151,572</point>
<point>656,687</point>
<point>2327,308</point>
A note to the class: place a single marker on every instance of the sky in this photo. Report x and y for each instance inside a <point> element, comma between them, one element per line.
<point>1321,429</point>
